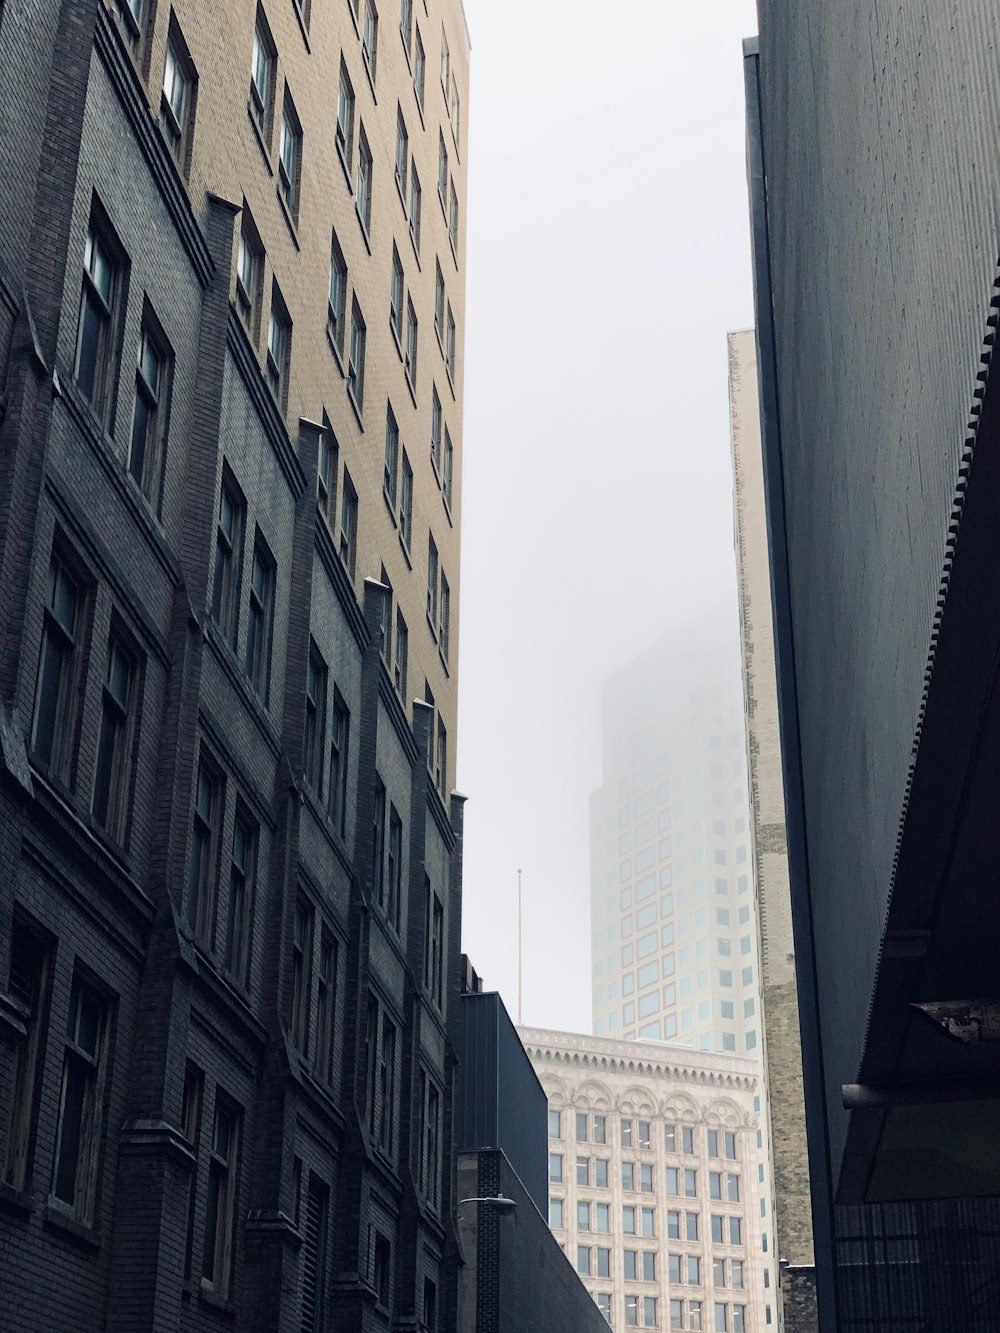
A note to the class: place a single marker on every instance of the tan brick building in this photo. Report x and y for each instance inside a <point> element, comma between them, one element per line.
<point>791,1220</point>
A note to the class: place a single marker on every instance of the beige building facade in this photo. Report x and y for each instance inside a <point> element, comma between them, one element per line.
<point>654,1183</point>
<point>792,1217</point>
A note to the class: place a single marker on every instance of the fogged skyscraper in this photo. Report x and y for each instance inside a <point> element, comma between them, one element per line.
<point>673,940</point>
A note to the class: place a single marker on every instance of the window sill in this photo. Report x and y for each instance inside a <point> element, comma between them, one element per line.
<point>451,382</point>
<point>430,626</point>
<point>444,662</point>
<point>345,166</point>
<point>355,407</point>
<point>447,509</point>
<point>364,230</point>
<point>420,107</point>
<point>454,252</point>
<point>399,191</point>
<point>406,551</point>
<point>302,25</point>
<point>390,505</point>
<point>207,1295</point>
<point>409,385</point>
<point>434,469</point>
<point>57,1219</point>
<point>395,338</point>
<point>369,72</point>
<point>18,1202</point>
<point>337,356</point>
<point>289,220</point>
<point>416,251</point>
<point>262,144</point>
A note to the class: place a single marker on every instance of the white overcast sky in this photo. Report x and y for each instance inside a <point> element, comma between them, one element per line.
<point>608,256</point>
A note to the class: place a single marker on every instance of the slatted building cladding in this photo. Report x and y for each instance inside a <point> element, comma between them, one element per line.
<point>230,512</point>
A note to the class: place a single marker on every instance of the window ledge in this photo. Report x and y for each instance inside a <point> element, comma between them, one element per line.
<point>420,106</point>
<point>444,662</point>
<point>447,509</point>
<point>207,1296</point>
<point>395,338</point>
<point>289,220</point>
<point>430,626</point>
<point>57,1219</point>
<point>451,382</point>
<point>302,25</point>
<point>262,144</point>
<point>434,469</point>
<point>356,407</point>
<point>345,166</point>
<point>409,385</point>
<point>364,230</point>
<point>399,191</point>
<point>390,505</point>
<point>454,252</point>
<point>368,71</point>
<point>416,252</point>
<point>337,355</point>
<point>406,551</point>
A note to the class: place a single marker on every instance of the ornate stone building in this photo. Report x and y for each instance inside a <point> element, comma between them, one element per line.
<point>654,1180</point>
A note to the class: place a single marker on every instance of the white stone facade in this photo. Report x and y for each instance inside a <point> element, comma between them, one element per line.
<point>654,1179</point>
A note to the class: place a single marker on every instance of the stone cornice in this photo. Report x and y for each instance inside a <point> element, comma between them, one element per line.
<point>599,1057</point>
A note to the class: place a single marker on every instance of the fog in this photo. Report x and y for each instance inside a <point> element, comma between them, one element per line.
<point>608,255</point>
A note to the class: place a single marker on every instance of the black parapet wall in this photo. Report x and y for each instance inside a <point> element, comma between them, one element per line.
<point>504,1105</point>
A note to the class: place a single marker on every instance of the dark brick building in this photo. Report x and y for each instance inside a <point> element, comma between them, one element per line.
<point>230,898</point>
<point>872,133</point>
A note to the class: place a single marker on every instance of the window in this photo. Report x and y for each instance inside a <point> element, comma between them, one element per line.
<point>444,619</point>
<point>402,153</point>
<point>583,1260</point>
<point>391,465</point>
<point>628,1219</point>
<point>290,158</point>
<point>394,869</point>
<point>382,1270</point>
<point>555,1124</point>
<point>56,690</point>
<point>419,70</point>
<point>687,1140</point>
<point>439,302</point>
<point>228,559</point>
<point>455,111</point>
<point>600,1129</point>
<point>693,1266</point>
<point>303,9</point>
<point>345,116</point>
<point>131,18</point>
<point>626,1133</point>
<point>583,1216</point>
<point>601,1173</point>
<point>646,1177</point>
<point>739,1318</point>
<point>730,1145</point>
<point>326,471</point>
<point>348,524</point>
<point>112,783</point>
<point>735,1231</point>
<point>556,1213</point>
<point>603,1299</point>
<point>694,1315</point>
<point>676,1314</point>
<point>202,883</point>
<point>263,62</point>
<point>673,1224</point>
<point>715,1184</point>
<point>736,1267</point>
<point>453,219</point>
<point>249,272</point>
<point>691,1226</point>
<point>603,1261</point>
<point>448,470</point>
<point>430,1306</point>
<point>387,1087</point>
<point>27,985</point>
<point>279,342</point>
<point>645,1135</point>
<point>378,842</point>
<point>336,301</point>
<point>713,1143</point>
<point>406,503</point>
<point>177,104</point>
<point>445,62</point>
<point>369,38</point>
<point>416,198</point>
<point>583,1170</point>
<point>95,338</point>
<point>339,753</point>
<point>733,1188</point>
<point>260,620</point>
<point>410,356</point>
<point>442,173</point>
<point>396,296</point>
<point>691,1183</point>
<point>441,758</point>
<point>628,1175</point>
<point>450,345</point>
<point>150,411</point>
<point>406,23</point>
<point>314,1252</point>
<point>717,1229</point>
<point>648,1219</point>
<point>241,885</point>
<point>315,726</point>
<point>400,656</point>
<point>432,581</point>
<point>363,184</point>
<point>721,1319</point>
<point>556,1168</point>
<point>219,1210</point>
<point>81,1102</point>
<point>302,950</point>
<point>434,945</point>
<point>356,357</point>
